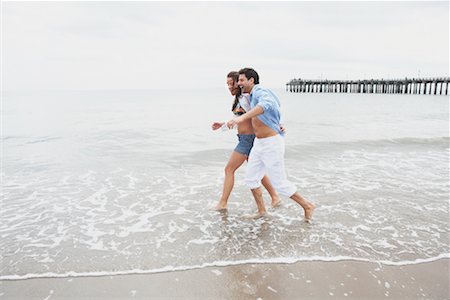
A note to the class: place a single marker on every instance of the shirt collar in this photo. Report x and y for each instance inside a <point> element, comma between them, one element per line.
<point>253,89</point>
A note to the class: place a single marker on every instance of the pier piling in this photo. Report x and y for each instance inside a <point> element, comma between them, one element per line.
<point>424,86</point>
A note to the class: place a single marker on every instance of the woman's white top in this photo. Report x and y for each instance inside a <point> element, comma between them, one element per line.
<point>244,102</point>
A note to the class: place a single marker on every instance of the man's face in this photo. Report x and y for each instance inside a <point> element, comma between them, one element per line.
<point>232,86</point>
<point>245,84</point>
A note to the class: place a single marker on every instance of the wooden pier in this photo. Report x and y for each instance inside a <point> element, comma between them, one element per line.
<point>421,86</point>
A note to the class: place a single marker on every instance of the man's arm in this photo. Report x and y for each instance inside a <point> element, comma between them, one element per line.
<point>256,111</point>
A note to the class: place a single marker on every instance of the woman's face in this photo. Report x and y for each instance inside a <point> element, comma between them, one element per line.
<point>232,86</point>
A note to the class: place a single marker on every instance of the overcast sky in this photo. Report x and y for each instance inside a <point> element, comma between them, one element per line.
<point>156,45</point>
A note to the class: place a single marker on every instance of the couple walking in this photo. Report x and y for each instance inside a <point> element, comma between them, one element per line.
<point>261,142</point>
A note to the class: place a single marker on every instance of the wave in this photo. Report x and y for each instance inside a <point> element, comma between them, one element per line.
<point>222,154</point>
<point>277,260</point>
<point>44,139</point>
<point>31,140</point>
<point>443,140</point>
<point>396,144</point>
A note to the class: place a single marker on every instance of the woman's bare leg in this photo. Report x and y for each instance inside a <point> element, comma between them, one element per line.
<point>235,161</point>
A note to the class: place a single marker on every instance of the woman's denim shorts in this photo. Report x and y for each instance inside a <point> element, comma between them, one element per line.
<point>245,143</point>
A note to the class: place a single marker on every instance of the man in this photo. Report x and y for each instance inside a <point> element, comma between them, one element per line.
<point>267,154</point>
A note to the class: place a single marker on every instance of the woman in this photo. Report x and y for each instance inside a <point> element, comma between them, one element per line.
<point>240,154</point>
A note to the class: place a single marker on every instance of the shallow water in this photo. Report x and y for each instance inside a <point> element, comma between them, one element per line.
<point>116,182</point>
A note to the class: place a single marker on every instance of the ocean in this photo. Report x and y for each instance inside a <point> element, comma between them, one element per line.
<point>122,182</point>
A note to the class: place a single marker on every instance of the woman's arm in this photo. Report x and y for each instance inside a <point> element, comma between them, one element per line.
<point>217,125</point>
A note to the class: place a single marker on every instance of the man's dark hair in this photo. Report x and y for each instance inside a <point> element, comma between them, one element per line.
<point>250,73</point>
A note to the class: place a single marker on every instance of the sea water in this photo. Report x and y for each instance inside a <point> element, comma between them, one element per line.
<point>117,182</point>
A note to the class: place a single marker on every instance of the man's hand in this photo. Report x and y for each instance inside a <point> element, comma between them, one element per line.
<point>217,125</point>
<point>235,122</point>
<point>282,128</point>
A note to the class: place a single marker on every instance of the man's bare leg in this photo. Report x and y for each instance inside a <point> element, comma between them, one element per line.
<point>276,201</point>
<point>307,206</point>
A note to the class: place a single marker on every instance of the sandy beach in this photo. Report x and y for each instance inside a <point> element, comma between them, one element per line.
<point>303,280</point>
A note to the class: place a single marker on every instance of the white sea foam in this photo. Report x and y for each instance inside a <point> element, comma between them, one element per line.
<point>122,193</point>
<point>280,260</point>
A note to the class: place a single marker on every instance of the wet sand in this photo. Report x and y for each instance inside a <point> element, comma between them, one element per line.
<point>303,280</point>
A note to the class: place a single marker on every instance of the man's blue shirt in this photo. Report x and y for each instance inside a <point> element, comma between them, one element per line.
<point>270,104</point>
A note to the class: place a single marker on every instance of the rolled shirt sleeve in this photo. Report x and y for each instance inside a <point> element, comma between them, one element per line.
<point>270,104</point>
<point>265,100</point>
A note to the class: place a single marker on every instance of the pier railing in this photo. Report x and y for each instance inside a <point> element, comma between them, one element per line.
<point>424,86</point>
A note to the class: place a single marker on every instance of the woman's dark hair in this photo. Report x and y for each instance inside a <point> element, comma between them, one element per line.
<point>250,73</point>
<point>235,76</point>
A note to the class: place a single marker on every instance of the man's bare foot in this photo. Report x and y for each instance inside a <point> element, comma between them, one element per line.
<point>309,210</point>
<point>256,216</point>
<point>276,203</point>
<point>219,207</point>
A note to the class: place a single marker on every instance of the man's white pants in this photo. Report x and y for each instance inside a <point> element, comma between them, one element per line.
<point>267,157</point>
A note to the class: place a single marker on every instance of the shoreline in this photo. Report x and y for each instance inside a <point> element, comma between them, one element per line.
<point>277,260</point>
<point>305,279</point>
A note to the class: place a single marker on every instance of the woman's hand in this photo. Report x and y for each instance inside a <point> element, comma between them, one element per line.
<point>217,125</point>
<point>282,128</point>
